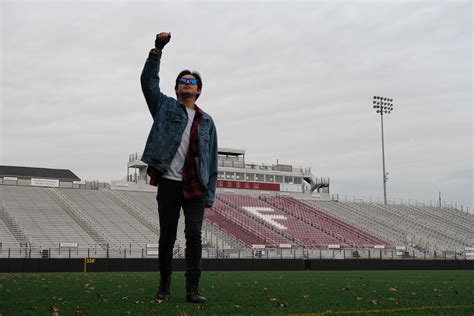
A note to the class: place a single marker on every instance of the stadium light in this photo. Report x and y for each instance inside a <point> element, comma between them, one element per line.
<point>383,105</point>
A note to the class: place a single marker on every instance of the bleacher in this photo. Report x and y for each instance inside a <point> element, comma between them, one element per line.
<point>41,218</point>
<point>47,217</point>
<point>334,226</point>
<point>278,222</point>
<point>426,228</point>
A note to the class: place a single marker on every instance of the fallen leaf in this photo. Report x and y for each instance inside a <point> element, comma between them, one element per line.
<point>124,298</point>
<point>78,311</point>
<point>237,306</point>
<point>392,289</point>
<point>356,297</point>
<point>54,310</point>
<point>280,304</point>
<point>305,295</point>
<point>373,302</point>
<point>346,288</point>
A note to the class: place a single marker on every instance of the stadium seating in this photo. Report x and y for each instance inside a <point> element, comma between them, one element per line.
<point>46,217</point>
<point>41,217</point>
<point>278,222</point>
<point>419,227</point>
<point>348,233</point>
<point>264,234</point>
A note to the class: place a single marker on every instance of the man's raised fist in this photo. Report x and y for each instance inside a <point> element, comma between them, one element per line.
<point>162,39</point>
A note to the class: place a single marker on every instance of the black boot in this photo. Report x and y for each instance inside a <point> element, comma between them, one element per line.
<point>192,293</point>
<point>193,296</point>
<point>164,293</point>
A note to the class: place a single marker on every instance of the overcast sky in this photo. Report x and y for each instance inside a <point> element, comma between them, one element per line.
<point>286,80</point>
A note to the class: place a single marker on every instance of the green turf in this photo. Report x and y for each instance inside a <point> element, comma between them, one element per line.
<point>243,293</point>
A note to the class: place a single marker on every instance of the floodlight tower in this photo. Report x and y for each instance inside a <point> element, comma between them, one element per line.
<point>383,105</point>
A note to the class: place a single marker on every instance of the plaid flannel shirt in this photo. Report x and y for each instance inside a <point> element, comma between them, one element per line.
<point>192,188</point>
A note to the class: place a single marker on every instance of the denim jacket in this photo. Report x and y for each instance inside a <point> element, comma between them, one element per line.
<point>169,122</point>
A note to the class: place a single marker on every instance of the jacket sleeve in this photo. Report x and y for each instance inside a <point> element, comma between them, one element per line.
<point>213,158</point>
<point>150,81</point>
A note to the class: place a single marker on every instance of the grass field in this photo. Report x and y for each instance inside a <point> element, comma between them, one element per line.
<point>242,293</point>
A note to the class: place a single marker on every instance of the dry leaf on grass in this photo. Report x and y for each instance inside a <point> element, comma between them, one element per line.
<point>392,289</point>
<point>78,311</point>
<point>373,302</point>
<point>54,310</point>
<point>356,297</point>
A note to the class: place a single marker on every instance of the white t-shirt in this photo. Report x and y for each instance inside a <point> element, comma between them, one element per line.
<point>175,172</point>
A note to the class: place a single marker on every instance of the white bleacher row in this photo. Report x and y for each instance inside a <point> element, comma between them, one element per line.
<point>401,224</point>
<point>450,232</point>
<point>372,223</point>
<point>47,224</point>
<point>6,236</point>
<point>41,218</point>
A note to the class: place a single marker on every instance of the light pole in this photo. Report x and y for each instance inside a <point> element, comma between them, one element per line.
<point>383,105</point>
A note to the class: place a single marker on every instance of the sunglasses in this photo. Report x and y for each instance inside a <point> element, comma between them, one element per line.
<point>190,80</point>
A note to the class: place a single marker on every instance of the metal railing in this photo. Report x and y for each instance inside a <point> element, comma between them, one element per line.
<point>129,251</point>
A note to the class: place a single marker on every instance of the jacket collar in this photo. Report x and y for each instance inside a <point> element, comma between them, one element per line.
<point>203,114</point>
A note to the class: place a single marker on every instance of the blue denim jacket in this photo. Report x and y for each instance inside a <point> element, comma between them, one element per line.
<point>169,122</point>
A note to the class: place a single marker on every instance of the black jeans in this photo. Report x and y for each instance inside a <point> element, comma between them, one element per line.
<point>170,200</point>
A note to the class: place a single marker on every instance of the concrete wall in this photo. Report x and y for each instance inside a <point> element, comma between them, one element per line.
<point>115,265</point>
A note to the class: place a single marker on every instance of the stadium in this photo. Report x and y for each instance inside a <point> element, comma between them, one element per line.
<point>296,92</point>
<point>267,217</point>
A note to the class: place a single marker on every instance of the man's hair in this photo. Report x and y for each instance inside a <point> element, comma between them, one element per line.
<point>195,74</point>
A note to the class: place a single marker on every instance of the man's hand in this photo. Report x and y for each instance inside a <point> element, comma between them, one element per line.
<point>162,39</point>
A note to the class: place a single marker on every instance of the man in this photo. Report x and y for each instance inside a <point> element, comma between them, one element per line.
<point>181,153</point>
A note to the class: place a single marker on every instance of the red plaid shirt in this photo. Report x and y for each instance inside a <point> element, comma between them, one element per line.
<point>192,187</point>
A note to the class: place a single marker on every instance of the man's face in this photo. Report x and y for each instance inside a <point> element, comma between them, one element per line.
<point>187,86</point>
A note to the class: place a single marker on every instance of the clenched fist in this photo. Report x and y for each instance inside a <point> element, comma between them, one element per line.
<point>162,39</point>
